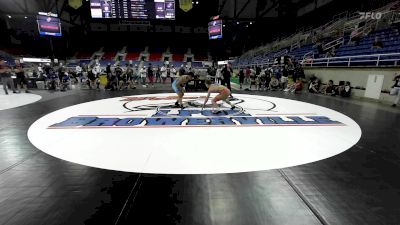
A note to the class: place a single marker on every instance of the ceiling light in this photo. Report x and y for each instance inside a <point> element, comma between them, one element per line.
<point>9,16</point>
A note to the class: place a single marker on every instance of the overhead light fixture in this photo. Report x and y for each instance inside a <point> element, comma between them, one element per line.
<point>197,2</point>
<point>251,23</point>
<point>26,17</point>
<point>237,22</point>
<point>223,25</point>
<point>9,16</point>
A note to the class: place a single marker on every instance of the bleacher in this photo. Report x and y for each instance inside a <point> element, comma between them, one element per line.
<point>133,55</point>
<point>301,46</point>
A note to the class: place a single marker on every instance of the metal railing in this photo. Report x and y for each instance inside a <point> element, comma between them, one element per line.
<point>375,60</point>
<point>334,43</point>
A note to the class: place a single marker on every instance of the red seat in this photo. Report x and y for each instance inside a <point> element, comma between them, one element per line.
<point>109,55</point>
<point>155,56</point>
<point>133,56</point>
<point>84,55</point>
<point>178,57</point>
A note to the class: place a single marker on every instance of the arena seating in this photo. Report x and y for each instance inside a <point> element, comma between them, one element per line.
<point>132,56</point>
<point>335,34</point>
<point>178,57</point>
<point>84,55</point>
<point>364,53</point>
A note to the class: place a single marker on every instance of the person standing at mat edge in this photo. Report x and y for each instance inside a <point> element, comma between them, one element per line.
<point>396,89</point>
<point>5,74</point>
<point>227,74</point>
<point>21,79</point>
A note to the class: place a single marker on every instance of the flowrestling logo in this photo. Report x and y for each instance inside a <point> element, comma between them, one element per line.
<point>160,112</point>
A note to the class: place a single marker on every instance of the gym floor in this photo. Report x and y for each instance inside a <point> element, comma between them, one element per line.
<point>359,186</point>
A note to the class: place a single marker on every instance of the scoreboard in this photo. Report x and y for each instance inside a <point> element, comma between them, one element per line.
<point>215,29</point>
<point>49,24</point>
<point>133,9</point>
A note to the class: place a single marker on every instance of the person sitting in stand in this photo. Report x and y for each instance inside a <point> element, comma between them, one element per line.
<point>378,44</point>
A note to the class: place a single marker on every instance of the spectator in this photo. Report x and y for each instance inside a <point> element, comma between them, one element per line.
<point>130,76</point>
<point>108,69</point>
<point>274,84</point>
<point>158,74</point>
<point>5,75</point>
<point>295,87</point>
<point>247,75</point>
<point>329,89</point>
<point>136,74</point>
<point>123,80</point>
<point>21,79</point>
<point>330,53</point>
<point>284,79</point>
<point>378,44</point>
<point>143,76</point>
<point>64,82</point>
<point>112,83</point>
<point>241,78</point>
<point>182,71</point>
<point>396,90</point>
<point>163,73</point>
<point>218,76</point>
<point>298,72</point>
<point>96,70</point>
<point>262,81</point>
<point>268,75</point>
<point>345,90</point>
<point>227,74</point>
<point>258,70</point>
<point>150,74</point>
<point>173,73</point>
<point>355,36</point>
<point>253,80</point>
<point>78,71</point>
<point>314,85</point>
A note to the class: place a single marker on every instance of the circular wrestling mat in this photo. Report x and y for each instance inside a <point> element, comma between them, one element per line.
<point>147,134</point>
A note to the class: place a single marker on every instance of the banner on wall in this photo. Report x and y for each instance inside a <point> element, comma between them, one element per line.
<point>186,5</point>
<point>76,4</point>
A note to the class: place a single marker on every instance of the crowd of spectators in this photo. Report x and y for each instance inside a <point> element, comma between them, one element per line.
<point>317,87</point>
<point>289,78</point>
<point>58,77</point>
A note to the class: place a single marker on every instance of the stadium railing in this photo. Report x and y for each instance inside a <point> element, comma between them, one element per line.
<point>374,60</point>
